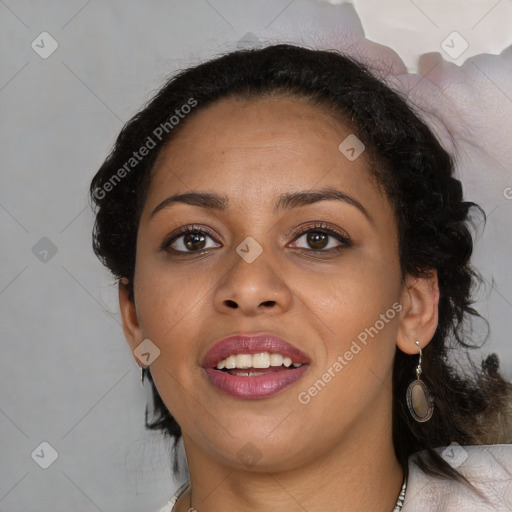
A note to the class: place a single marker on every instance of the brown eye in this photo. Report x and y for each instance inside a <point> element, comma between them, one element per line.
<point>321,239</point>
<point>194,241</point>
<point>190,240</point>
<point>317,240</point>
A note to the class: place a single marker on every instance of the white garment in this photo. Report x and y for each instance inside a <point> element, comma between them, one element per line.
<point>487,467</point>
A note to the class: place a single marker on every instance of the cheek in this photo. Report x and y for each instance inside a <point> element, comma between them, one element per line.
<point>359,312</point>
<point>166,290</point>
<point>352,294</point>
<point>170,305</point>
<point>355,370</point>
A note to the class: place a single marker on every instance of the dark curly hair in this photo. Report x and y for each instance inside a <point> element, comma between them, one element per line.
<point>414,172</point>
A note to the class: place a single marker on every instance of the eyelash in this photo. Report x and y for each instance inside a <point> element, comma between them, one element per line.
<point>317,227</point>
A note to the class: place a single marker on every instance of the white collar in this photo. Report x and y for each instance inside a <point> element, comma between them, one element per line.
<point>487,467</point>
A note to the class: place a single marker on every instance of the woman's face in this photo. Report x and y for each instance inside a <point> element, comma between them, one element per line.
<point>335,298</point>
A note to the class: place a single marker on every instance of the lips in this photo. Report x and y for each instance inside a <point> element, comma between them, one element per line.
<point>252,344</point>
<point>253,383</point>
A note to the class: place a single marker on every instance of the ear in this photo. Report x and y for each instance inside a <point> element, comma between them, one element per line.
<point>131,325</point>
<point>419,315</point>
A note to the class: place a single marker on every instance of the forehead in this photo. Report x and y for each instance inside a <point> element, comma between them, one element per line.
<point>265,145</point>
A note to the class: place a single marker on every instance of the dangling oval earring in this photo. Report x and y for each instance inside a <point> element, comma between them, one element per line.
<point>419,401</point>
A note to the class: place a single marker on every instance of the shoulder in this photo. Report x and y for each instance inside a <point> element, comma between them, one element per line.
<point>487,467</point>
<point>174,498</point>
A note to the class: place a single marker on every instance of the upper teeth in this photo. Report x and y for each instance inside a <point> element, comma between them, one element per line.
<point>260,360</point>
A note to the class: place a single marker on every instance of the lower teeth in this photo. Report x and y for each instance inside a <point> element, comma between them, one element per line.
<point>249,374</point>
<point>239,372</point>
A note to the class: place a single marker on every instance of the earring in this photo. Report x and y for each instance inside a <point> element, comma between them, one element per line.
<point>419,401</point>
<point>142,374</point>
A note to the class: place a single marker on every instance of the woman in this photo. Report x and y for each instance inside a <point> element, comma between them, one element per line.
<point>293,257</point>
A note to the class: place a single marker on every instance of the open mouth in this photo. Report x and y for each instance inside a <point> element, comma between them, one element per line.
<point>255,376</point>
<point>254,366</point>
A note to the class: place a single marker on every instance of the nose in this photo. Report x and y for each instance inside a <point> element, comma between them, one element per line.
<point>252,289</point>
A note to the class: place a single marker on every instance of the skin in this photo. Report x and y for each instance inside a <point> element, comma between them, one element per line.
<point>337,448</point>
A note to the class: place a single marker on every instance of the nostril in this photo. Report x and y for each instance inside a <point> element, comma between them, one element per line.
<point>231,304</point>
<point>269,303</point>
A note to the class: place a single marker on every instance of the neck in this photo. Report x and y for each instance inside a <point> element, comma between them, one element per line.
<point>360,474</point>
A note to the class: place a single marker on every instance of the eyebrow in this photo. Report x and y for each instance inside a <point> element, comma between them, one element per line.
<point>287,201</point>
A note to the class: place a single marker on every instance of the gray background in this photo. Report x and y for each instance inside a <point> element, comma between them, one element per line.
<point>67,376</point>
